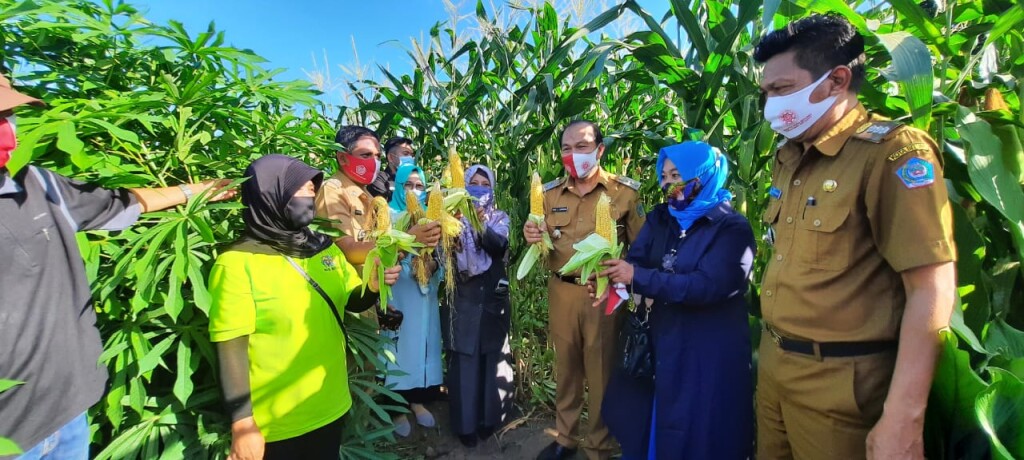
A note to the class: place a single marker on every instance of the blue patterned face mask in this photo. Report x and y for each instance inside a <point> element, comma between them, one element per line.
<point>689,191</point>
<point>483,195</point>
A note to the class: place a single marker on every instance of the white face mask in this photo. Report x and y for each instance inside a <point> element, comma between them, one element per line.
<point>419,193</point>
<point>792,114</point>
<point>580,164</point>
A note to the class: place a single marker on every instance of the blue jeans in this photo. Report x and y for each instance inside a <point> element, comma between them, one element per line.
<point>70,442</point>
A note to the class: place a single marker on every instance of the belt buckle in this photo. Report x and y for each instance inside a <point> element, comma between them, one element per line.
<point>775,335</point>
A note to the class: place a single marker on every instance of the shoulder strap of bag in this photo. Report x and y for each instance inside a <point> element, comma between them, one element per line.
<point>316,286</point>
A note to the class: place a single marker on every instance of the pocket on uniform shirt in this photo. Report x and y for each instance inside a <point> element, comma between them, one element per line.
<point>823,245</point>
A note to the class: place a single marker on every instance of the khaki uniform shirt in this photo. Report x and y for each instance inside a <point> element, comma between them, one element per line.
<point>343,200</point>
<point>864,203</point>
<point>570,218</point>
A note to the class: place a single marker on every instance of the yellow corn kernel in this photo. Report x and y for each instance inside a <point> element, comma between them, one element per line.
<point>457,172</point>
<point>412,206</point>
<point>435,203</point>
<point>604,226</point>
<point>536,195</point>
<point>381,214</point>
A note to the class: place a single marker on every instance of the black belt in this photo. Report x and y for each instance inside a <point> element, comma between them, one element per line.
<point>571,280</point>
<point>831,349</point>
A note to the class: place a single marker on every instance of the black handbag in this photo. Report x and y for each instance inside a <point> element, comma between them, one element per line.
<point>636,344</point>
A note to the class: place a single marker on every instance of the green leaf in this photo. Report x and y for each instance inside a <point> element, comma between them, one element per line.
<point>912,70</point>
<point>1000,409</point>
<point>8,384</point>
<point>8,447</point>
<point>529,260</point>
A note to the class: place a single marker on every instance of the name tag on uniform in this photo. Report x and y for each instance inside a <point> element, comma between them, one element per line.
<point>775,192</point>
<point>357,212</point>
<point>562,209</point>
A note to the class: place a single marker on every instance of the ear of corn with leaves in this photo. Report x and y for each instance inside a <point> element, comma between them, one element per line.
<point>537,250</point>
<point>388,242</point>
<point>598,247</point>
<point>457,199</point>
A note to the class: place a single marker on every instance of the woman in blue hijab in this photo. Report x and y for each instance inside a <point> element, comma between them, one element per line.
<point>691,264</point>
<point>418,339</point>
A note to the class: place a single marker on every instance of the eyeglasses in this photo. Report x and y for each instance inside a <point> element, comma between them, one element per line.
<point>411,186</point>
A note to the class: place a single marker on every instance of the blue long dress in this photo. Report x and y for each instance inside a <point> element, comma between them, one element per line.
<point>418,346</point>
<point>703,380</point>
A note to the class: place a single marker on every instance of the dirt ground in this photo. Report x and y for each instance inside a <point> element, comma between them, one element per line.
<point>523,438</point>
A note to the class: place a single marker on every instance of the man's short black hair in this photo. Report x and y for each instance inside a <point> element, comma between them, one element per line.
<point>395,142</point>
<point>598,137</point>
<point>821,42</point>
<point>349,134</point>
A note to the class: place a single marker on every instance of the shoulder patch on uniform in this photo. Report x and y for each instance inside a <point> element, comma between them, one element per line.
<point>914,147</point>
<point>916,172</point>
<point>333,183</point>
<point>553,184</point>
<point>628,182</point>
<point>876,131</point>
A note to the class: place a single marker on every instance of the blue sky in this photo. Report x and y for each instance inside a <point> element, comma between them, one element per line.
<point>292,33</point>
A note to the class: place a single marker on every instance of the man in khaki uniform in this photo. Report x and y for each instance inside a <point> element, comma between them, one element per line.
<point>862,276</point>
<point>583,337</point>
<point>345,199</point>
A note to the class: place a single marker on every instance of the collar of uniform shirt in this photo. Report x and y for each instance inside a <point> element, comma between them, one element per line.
<point>8,186</point>
<point>833,140</point>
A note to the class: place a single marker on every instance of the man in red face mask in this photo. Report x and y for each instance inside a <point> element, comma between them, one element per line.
<point>345,199</point>
<point>48,337</point>
<point>583,337</point>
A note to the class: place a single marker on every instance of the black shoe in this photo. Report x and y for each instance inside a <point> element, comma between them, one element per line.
<point>556,451</point>
<point>467,440</point>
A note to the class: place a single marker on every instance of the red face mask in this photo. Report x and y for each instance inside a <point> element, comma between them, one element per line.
<point>362,170</point>
<point>8,141</point>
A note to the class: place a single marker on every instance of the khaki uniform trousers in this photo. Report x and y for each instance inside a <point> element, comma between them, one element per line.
<point>811,408</point>
<point>585,342</point>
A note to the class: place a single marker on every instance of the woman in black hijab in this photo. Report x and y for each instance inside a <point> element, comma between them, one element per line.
<point>278,296</point>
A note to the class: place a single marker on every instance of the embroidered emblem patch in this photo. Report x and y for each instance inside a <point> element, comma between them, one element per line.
<point>829,186</point>
<point>916,172</point>
<point>775,192</point>
<point>329,264</point>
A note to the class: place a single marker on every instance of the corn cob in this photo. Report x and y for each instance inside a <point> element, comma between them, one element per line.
<point>413,207</point>
<point>435,204</point>
<point>536,195</point>
<point>381,215</point>
<point>604,226</point>
<point>457,172</point>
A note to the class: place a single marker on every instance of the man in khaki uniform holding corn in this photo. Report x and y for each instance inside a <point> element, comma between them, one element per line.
<point>583,337</point>
<point>862,276</point>
<point>344,198</point>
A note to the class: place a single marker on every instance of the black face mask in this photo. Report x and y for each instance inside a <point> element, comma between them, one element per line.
<point>300,212</point>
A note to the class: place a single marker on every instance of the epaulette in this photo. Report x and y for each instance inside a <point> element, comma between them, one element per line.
<point>333,182</point>
<point>876,131</point>
<point>554,183</point>
<point>628,182</point>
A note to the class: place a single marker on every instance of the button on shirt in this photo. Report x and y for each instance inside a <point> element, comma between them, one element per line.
<point>48,337</point>
<point>847,222</point>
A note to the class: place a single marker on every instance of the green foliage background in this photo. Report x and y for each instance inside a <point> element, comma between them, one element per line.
<point>133,103</point>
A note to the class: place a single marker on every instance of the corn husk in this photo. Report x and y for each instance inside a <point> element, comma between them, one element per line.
<point>598,247</point>
<point>388,242</point>
<point>539,250</point>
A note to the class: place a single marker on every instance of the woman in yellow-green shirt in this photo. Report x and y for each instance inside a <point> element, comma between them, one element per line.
<point>280,346</point>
